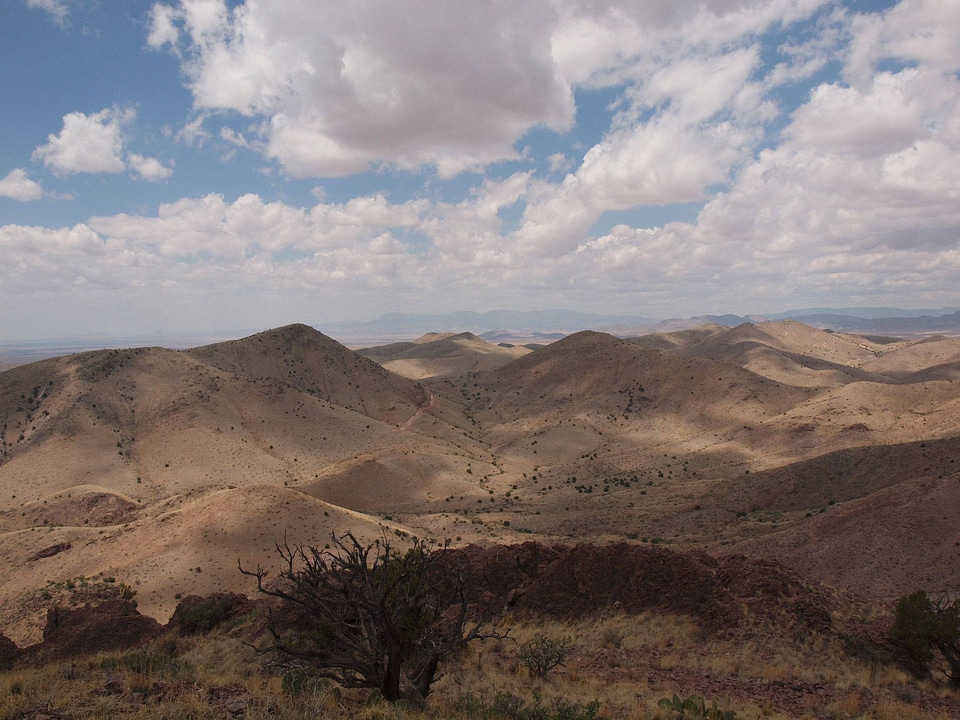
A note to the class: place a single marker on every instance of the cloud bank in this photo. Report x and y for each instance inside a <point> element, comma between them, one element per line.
<point>821,147</point>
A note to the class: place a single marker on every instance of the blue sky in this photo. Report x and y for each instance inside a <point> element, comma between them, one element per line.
<point>196,165</point>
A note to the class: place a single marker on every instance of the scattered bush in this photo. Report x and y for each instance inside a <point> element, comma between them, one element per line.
<point>297,682</point>
<point>542,653</point>
<point>370,616</point>
<point>202,617</point>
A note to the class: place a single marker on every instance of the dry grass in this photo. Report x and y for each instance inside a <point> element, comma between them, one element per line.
<point>624,663</point>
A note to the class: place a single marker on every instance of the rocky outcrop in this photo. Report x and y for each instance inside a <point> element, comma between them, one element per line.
<point>112,625</point>
<point>570,582</point>
<point>9,652</point>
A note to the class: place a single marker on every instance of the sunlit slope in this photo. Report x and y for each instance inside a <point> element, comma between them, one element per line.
<point>443,354</point>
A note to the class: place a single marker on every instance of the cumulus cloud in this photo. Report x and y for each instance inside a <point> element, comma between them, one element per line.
<point>813,184</point>
<point>95,144</point>
<point>149,168</point>
<point>926,32</point>
<point>450,86</point>
<point>344,87</point>
<point>87,143</point>
<point>18,185</point>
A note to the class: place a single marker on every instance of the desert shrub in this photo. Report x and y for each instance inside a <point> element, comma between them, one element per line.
<point>694,707</point>
<point>150,662</point>
<point>510,707</point>
<point>924,625</point>
<point>542,653</point>
<point>370,616</point>
<point>296,681</point>
<point>203,616</point>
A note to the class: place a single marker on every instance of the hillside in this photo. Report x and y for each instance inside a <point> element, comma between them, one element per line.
<point>303,358</point>
<point>824,451</point>
<point>110,450</point>
<point>442,354</point>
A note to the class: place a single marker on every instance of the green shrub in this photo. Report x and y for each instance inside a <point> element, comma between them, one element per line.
<point>924,625</point>
<point>296,681</point>
<point>152,663</point>
<point>204,615</point>
<point>542,653</point>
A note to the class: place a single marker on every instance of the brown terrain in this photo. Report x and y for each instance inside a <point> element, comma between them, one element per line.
<point>442,354</point>
<point>724,458</point>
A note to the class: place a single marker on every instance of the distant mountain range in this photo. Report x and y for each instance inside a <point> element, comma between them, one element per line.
<point>515,327</point>
<point>502,325</point>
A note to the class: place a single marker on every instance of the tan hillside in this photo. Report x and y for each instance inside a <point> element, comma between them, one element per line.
<point>109,439</point>
<point>921,356</point>
<point>785,351</point>
<point>591,390</point>
<point>442,354</point>
<point>680,340</point>
<point>310,361</point>
<point>146,464</point>
<point>884,522</point>
<point>188,544</point>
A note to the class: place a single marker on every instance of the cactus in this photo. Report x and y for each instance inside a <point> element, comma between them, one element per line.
<point>695,707</point>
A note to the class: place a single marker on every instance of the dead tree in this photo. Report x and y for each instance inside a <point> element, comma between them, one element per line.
<point>369,616</point>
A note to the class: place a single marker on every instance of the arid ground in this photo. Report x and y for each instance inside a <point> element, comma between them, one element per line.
<point>834,454</point>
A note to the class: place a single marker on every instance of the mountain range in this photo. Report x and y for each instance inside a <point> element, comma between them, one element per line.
<point>831,452</point>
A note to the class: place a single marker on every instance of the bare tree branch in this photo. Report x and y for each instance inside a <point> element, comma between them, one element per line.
<point>369,615</point>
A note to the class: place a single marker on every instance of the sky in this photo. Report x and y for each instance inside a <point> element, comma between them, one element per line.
<point>182,166</point>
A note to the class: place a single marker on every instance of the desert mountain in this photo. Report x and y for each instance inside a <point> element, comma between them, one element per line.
<point>303,358</point>
<point>786,351</point>
<point>111,442</point>
<point>593,391</point>
<point>826,451</point>
<point>442,354</point>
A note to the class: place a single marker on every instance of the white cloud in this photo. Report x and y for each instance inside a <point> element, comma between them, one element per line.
<point>95,144</point>
<point>558,162</point>
<point>886,117</point>
<point>855,195</point>
<point>59,9</point>
<point>18,185</point>
<point>163,28</point>
<point>192,133</point>
<point>345,87</point>
<point>913,31</point>
<point>87,143</point>
<point>149,168</point>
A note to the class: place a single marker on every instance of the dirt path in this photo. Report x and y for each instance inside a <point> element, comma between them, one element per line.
<point>419,413</point>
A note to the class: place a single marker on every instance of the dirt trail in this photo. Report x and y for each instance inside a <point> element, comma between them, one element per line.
<point>419,413</point>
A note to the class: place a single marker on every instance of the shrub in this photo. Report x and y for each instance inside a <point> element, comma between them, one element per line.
<point>509,707</point>
<point>369,616</point>
<point>542,653</point>
<point>297,682</point>
<point>924,625</point>
<point>203,616</point>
